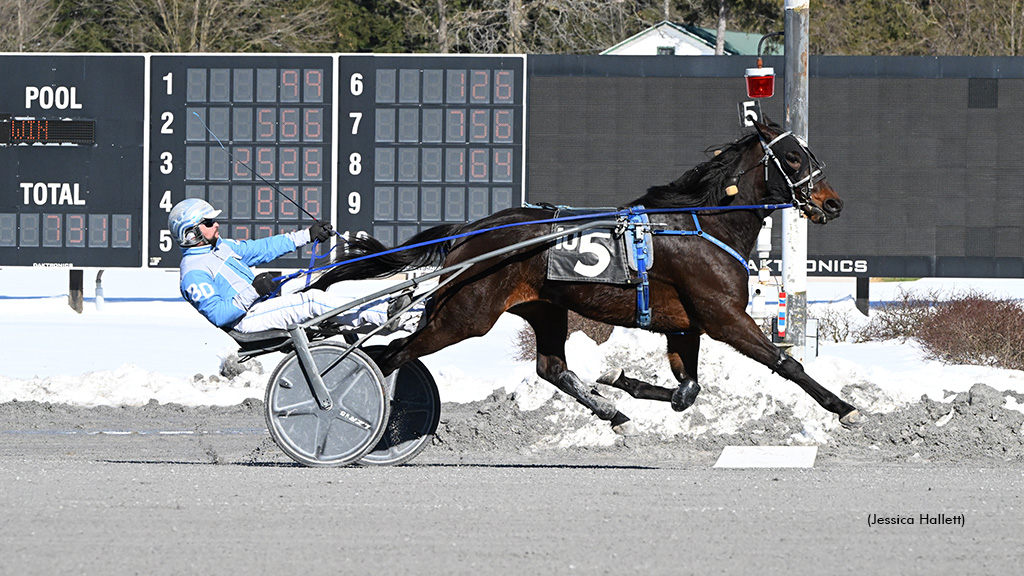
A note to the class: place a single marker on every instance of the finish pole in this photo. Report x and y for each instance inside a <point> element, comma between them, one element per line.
<point>794,226</point>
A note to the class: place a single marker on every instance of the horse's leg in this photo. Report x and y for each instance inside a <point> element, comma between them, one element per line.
<point>550,327</point>
<point>683,350</point>
<point>741,332</point>
<point>682,357</point>
<point>616,378</point>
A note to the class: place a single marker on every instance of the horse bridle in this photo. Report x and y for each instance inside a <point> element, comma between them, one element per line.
<point>802,189</point>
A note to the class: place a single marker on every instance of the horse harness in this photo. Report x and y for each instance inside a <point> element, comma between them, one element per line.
<point>800,191</point>
<point>640,227</point>
<point>636,230</point>
<point>630,245</point>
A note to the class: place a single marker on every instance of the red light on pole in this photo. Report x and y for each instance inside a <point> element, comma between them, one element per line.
<point>760,82</point>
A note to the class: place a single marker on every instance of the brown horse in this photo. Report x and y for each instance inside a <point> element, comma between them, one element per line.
<point>695,286</point>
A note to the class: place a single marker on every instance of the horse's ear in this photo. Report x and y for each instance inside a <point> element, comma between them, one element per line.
<point>769,129</point>
<point>761,129</point>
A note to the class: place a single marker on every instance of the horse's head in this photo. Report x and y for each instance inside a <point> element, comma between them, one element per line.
<point>794,175</point>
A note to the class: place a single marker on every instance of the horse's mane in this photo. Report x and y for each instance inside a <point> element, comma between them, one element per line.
<point>702,185</point>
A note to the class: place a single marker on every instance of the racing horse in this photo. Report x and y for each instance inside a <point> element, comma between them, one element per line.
<point>696,286</point>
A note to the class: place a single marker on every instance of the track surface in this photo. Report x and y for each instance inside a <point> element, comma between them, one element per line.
<point>165,490</point>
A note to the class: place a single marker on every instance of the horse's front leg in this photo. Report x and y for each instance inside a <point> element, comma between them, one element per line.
<point>741,332</point>
<point>682,358</point>
<point>683,350</point>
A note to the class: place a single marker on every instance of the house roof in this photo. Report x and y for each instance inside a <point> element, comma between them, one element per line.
<point>687,39</point>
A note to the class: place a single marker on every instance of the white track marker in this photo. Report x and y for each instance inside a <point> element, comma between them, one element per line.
<point>767,457</point>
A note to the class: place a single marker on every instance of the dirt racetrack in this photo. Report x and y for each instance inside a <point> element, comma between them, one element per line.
<point>167,489</point>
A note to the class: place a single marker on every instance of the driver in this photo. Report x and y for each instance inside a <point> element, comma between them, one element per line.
<point>217,280</point>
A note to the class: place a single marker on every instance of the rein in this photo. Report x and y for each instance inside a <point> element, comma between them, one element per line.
<point>618,213</point>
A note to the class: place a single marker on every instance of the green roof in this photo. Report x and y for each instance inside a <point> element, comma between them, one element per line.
<point>746,43</point>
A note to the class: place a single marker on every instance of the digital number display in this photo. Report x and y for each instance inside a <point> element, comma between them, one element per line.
<point>42,131</point>
<point>55,230</point>
<point>427,140</point>
<point>71,160</point>
<point>250,135</point>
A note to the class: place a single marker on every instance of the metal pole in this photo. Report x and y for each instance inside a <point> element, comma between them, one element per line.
<point>76,293</point>
<point>794,227</point>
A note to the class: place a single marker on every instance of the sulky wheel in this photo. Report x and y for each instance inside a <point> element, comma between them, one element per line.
<point>415,412</point>
<point>341,435</point>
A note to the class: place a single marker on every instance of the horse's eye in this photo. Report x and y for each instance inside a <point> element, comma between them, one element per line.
<point>793,159</point>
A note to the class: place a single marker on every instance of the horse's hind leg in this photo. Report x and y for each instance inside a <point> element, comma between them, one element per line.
<point>550,327</point>
<point>442,329</point>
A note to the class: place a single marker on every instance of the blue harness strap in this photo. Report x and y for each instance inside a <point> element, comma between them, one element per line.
<point>701,233</point>
<point>639,226</point>
<point>698,231</point>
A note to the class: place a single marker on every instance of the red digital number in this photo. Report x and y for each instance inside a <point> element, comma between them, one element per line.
<point>288,209</point>
<point>289,85</point>
<point>478,164</point>
<point>314,86</point>
<point>504,86</point>
<point>264,230</point>
<point>240,232</point>
<point>290,125</point>
<point>502,165</point>
<point>312,167</point>
<point>121,236</point>
<point>312,126</point>
<point>265,162</point>
<point>479,121</point>
<point>76,230</point>
<point>455,131</point>
<point>503,123</point>
<point>311,196</point>
<point>266,120</point>
<point>52,230</point>
<point>479,90</point>
<point>264,202</point>
<point>289,163</point>
<point>243,163</point>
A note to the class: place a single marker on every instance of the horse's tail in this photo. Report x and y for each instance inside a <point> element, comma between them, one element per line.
<point>358,260</point>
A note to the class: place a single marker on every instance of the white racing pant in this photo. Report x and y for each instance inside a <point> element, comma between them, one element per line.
<point>290,309</point>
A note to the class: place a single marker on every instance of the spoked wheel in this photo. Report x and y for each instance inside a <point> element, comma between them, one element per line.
<point>415,412</point>
<point>340,435</point>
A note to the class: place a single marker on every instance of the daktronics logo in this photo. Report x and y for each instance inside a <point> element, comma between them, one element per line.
<point>841,266</point>
<point>818,266</point>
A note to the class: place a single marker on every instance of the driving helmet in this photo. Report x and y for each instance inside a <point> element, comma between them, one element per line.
<point>184,219</point>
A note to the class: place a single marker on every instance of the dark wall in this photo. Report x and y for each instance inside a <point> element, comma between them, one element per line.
<point>926,152</point>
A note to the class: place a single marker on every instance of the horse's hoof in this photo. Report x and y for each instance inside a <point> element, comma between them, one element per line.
<point>622,425</point>
<point>609,377</point>
<point>685,395</point>
<point>627,428</point>
<point>853,419</point>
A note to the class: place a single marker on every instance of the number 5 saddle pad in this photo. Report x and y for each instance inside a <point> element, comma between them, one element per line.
<point>602,255</point>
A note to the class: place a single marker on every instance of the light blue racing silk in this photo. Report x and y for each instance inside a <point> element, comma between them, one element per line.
<point>217,281</point>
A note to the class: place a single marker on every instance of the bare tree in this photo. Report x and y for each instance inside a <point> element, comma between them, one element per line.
<point>429,20</point>
<point>723,15</point>
<point>524,26</point>
<point>30,26</point>
<point>978,28</point>
<point>215,25</point>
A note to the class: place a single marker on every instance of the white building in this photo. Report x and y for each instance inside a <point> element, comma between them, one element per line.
<point>667,38</point>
